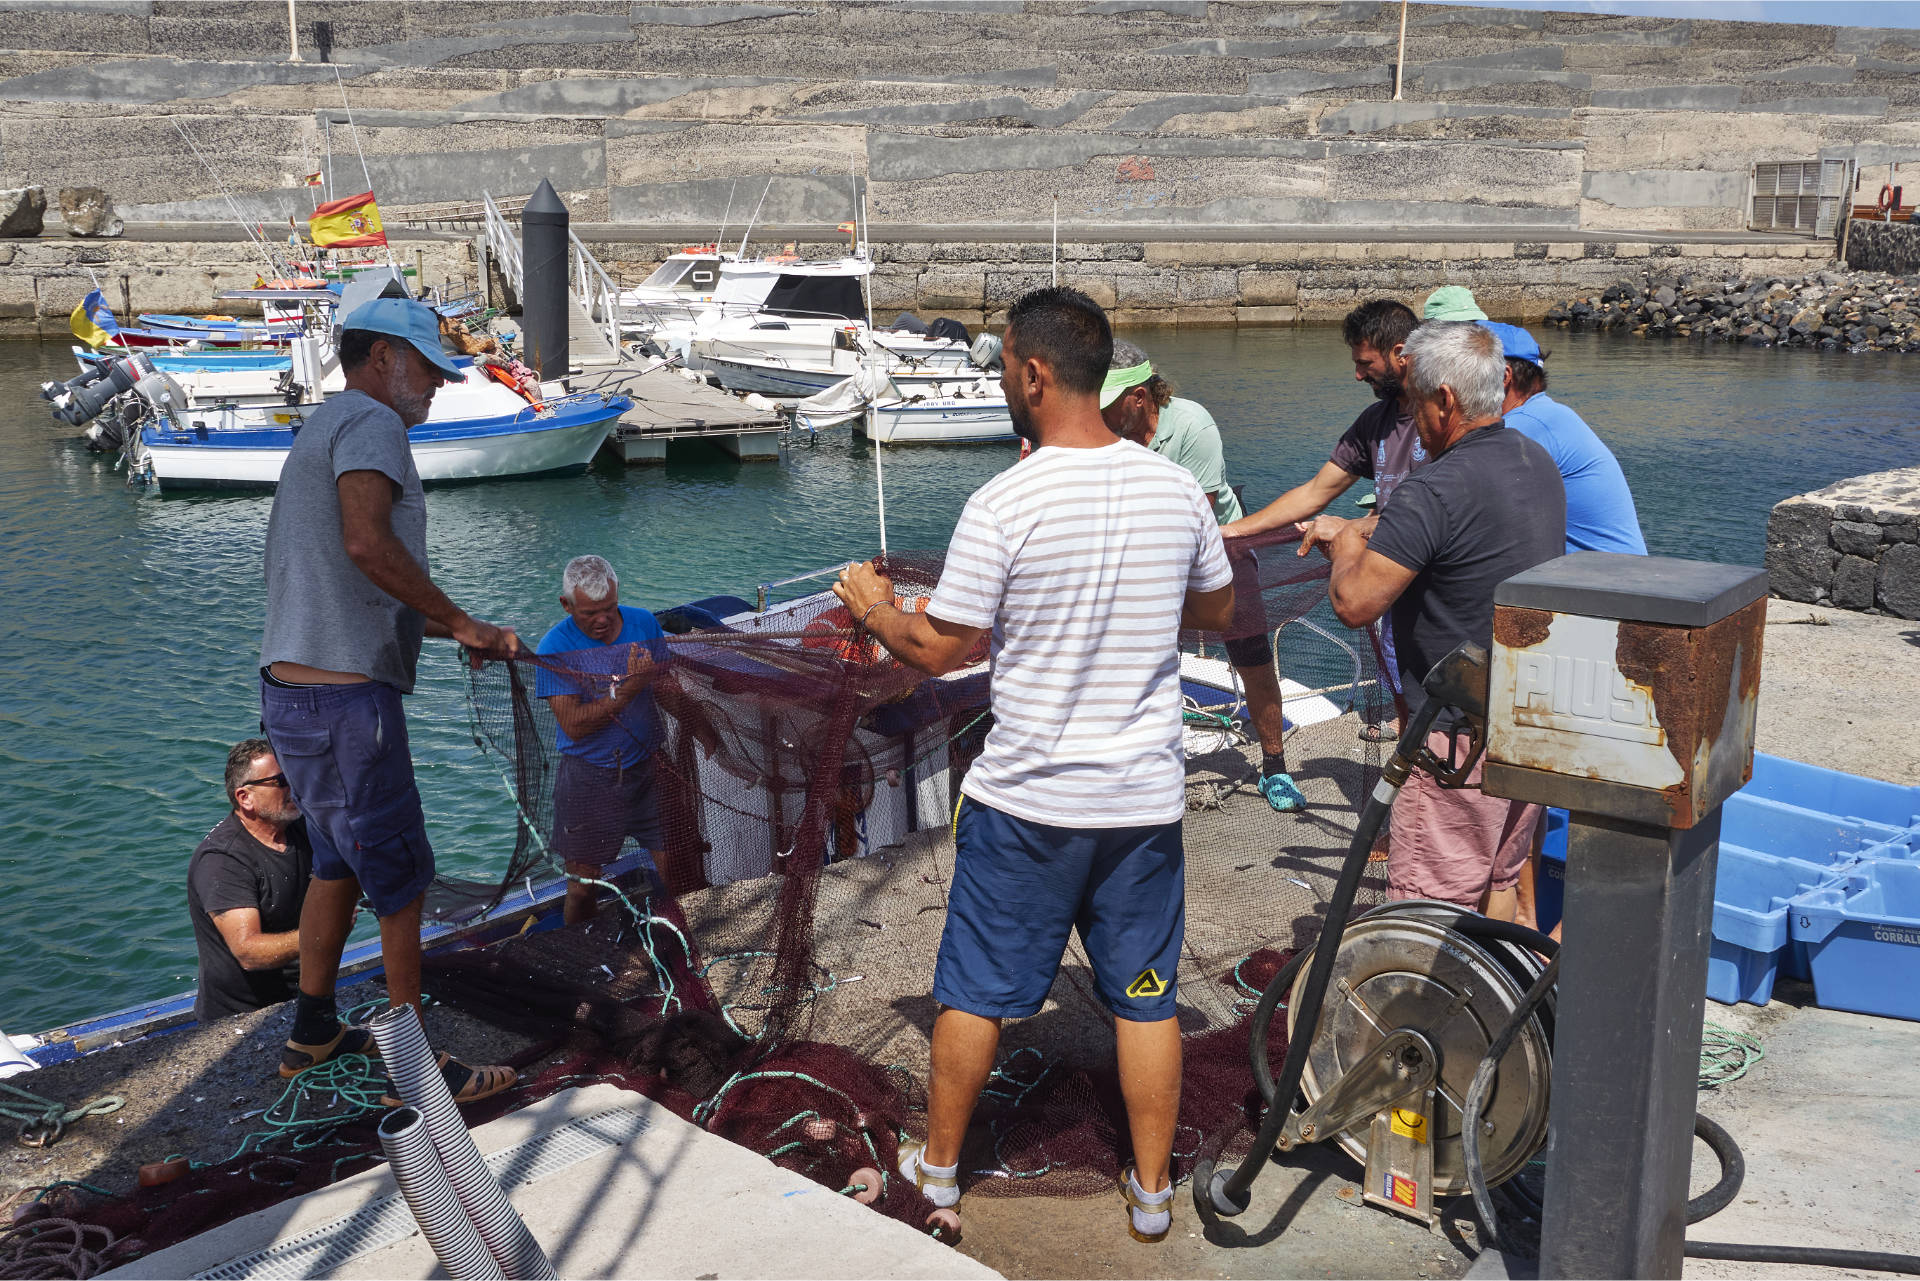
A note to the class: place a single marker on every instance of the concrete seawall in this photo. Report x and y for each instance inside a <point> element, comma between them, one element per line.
<point>1853,545</point>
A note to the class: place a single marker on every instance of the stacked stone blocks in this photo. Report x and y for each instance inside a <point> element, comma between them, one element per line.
<point>1853,545</point>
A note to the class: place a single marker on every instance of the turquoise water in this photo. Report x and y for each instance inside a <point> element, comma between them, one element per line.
<point>131,622</point>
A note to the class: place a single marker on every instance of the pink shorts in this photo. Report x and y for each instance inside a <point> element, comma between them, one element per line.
<point>1456,844</point>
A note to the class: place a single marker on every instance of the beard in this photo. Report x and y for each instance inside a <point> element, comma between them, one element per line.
<point>283,816</point>
<point>412,406</point>
<point>1023,423</point>
<point>1385,386</point>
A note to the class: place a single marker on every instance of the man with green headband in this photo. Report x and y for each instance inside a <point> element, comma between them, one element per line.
<point>1139,405</point>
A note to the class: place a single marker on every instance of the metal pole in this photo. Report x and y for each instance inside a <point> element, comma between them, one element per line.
<point>1400,59</point>
<point>1622,1143</point>
<point>543,287</point>
<point>293,34</point>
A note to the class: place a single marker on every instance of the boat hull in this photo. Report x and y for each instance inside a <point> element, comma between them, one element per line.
<point>446,454</point>
<point>949,422</point>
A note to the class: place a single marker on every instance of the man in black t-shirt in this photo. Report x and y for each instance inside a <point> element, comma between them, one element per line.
<point>1380,445</point>
<point>1488,505</point>
<point>245,885</point>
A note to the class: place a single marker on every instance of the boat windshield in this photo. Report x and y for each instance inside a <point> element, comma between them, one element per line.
<point>668,273</point>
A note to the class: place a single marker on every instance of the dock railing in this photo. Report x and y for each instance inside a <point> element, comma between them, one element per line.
<point>596,292</point>
<point>504,244</point>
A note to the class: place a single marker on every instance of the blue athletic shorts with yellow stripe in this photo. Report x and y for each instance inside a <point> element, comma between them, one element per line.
<point>1020,887</point>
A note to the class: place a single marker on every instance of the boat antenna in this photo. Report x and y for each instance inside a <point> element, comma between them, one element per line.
<point>754,219</point>
<point>245,230</point>
<point>326,134</point>
<point>879,483</point>
<point>725,217</point>
<point>1056,240</point>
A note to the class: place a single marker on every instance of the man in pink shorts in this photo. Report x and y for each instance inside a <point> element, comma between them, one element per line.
<point>1488,505</point>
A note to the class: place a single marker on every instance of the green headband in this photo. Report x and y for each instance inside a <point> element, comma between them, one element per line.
<point>1118,380</point>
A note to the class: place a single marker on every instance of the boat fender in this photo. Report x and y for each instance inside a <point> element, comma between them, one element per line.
<point>156,1173</point>
<point>754,400</point>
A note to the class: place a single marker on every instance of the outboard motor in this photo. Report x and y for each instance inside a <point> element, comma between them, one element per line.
<point>985,352</point>
<point>80,399</point>
<point>159,389</point>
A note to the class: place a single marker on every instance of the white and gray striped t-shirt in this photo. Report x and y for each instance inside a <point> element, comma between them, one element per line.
<point>1080,561</point>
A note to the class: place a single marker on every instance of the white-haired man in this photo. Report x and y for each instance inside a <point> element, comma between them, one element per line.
<point>608,663</point>
<point>1488,505</point>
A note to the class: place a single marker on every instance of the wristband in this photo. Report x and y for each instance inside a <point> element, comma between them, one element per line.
<point>876,605</point>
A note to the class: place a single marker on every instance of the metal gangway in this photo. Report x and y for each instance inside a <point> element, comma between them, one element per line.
<point>593,308</point>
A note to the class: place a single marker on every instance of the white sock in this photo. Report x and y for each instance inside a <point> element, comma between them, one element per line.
<point>1150,1222</point>
<point>941,1196</point>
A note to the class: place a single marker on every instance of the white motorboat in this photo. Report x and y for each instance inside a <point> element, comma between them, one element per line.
<point>963,416</point>
<point>679,289</point>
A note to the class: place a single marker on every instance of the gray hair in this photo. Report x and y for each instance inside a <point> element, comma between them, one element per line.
<point>1126,355</point>
<point>589,574</point>
<point>1464,356</point>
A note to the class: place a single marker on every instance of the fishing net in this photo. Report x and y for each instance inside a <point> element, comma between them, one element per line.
<point>765,971</point>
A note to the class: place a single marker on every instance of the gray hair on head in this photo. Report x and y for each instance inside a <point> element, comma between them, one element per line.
<point>1464,356</point>
<point>1126,355</point>
<point>589,574</point>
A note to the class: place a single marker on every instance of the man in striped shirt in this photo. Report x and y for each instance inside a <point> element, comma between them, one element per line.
<point>1083,561</point>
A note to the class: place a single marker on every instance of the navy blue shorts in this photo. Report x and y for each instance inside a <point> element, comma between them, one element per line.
<point>595,809</point>
<point>1020,887</point>
<point>344,751</point>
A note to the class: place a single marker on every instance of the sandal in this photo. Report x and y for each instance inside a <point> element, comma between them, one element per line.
<point>350,1038</point>
<point>1149,1214</point>
<point>466,1084</point>
<point>941,1189</point>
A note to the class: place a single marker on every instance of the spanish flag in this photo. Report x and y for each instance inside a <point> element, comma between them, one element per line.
<point>348,221</point>
<point>846,226</point>
<point>313,180</point>
<point>93,322</point>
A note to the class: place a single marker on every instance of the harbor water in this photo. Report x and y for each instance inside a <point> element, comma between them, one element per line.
<point>132,622</point>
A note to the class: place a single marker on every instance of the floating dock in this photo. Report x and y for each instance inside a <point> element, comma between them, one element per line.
<point>670,409</point>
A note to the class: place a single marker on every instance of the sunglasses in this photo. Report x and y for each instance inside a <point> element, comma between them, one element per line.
<point>271,780</point>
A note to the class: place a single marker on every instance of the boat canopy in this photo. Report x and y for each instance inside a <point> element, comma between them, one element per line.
<point>816,296</point>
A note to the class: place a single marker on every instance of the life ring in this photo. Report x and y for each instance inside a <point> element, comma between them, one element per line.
<point>829,632</point>
<point>505,376</point>
<point>700,249</point>
<point>1886,198</point>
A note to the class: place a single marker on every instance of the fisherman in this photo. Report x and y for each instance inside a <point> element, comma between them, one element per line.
<point>1600,513</point>
<point>348,600</point>
<point>245,884</point>
<point>1488,505</point>
<point>1381,444</point>
<point>1138,404</point>
<point>1083,562</point>
<point>605,788</point>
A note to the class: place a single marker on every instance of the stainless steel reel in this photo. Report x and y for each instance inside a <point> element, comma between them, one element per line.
<point>1412,1006</point>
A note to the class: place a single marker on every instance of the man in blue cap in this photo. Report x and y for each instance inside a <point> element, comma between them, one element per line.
<point>348,600</point>
<point>1600,511</point>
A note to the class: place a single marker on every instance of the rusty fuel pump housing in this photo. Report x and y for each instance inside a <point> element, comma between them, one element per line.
<point>1625,686</point>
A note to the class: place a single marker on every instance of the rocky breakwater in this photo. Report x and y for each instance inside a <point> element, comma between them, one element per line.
<point>1852,545</point>
<point>1827,309</point>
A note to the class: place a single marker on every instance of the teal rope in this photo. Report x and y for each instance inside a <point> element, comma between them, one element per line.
<point>1726,1055</point>
<point>50,1115</point>
<point>351,1079</point>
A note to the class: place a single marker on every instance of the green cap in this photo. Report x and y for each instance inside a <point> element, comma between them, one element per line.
<point>1452,302</point>
<point>1118,380</point>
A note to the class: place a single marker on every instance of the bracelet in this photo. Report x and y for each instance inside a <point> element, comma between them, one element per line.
<point>876,605</point>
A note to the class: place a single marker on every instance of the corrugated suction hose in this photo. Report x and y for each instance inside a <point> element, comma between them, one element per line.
<point>423,1182</point>
<point>415,1073</point>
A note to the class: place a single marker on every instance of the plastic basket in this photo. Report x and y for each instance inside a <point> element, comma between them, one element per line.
<point>1750,929</point>
<point>1862,933</point>
<point>1832,792</point>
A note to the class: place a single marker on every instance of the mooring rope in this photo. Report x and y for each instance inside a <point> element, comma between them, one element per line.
<point>42,1120</point>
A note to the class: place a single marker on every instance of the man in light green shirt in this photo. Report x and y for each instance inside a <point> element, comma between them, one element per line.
<point>1139,405</point>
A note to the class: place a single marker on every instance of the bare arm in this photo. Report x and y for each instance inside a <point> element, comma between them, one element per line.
<point>240,927</point>
<point>1302,502</point>
<point>921,641</point>
<point>1364,583</point>
<point>583,719</point>
<point>1208,611</point>
<point>366,529</point>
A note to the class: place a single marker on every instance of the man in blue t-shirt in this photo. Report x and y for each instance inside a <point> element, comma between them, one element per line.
<point>607,662</point>
<point>1600,511</point>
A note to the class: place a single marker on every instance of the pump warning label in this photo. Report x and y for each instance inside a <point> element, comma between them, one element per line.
<point>1408,1124</point>
<point>1401,1191</point>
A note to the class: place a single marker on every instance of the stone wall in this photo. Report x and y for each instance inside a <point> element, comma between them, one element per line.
<point>1128,112</point>
<point>1892,247</point>
<point>1852,545</point>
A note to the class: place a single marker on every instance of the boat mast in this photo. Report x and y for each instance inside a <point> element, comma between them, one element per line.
<point>364,171</point>
<point>724,219</point>
<point>742,255</point>
<point>273,268</point>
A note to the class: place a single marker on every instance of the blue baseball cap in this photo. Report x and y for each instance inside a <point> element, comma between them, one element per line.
<point>1516,342</point>
<point>414,321</point>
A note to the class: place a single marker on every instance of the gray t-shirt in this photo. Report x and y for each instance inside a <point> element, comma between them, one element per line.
<point>321,610</point>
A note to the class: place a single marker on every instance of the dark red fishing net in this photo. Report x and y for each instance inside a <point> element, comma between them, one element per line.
<point>769,980</point>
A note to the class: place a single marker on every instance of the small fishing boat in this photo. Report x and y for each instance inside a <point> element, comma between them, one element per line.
<point>230,448</point>
<point>965,417</point>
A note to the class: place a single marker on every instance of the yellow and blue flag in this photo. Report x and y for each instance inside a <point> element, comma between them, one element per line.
<point>93,322</point>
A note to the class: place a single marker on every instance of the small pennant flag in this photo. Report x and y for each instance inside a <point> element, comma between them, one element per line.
<point>348,221</point>
<point>93,322</point>
<point>846,226</point>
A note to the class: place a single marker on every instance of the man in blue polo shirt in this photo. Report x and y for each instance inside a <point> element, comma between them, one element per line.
<point>1600,511</point>
<point>607,661</point>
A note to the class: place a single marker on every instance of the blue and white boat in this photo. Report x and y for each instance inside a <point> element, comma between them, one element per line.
<point>479,429</point>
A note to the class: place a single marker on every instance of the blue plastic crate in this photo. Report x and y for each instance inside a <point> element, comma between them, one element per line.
<point>1750,929</point>
<point>1550,887</point>
<point>1796,830</point>
<point>1862,932</point>
<point>1832,792</point>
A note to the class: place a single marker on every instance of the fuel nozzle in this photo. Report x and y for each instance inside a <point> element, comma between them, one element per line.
<point>1457,683</point>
